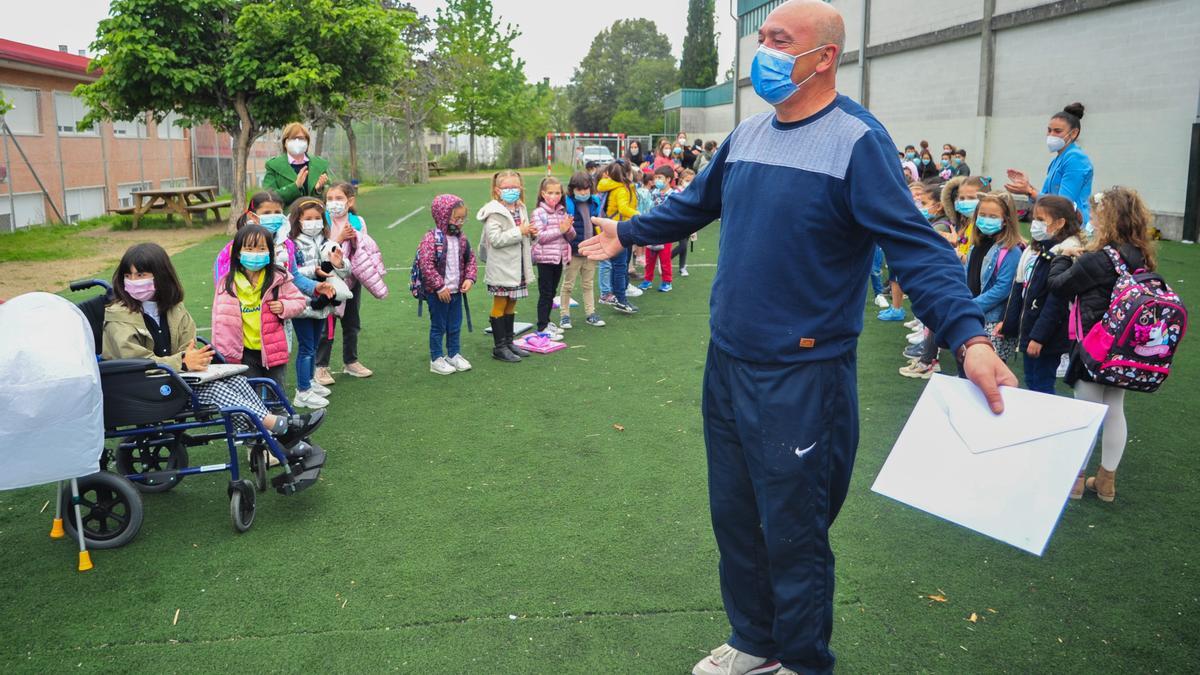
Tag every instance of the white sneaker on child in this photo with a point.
(725, 660)
(882, 302)
(633, 291)
(309, 399)
(1063, 365)
(442, 367)
(460, 364)
(320, 389)
(683, 272)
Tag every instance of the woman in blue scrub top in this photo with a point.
(1070, 172)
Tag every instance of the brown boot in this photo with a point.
(1077, 491)
(1104, 484)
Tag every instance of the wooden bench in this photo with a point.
(123, 211)
(434, 168)
(215, 207)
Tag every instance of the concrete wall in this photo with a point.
(1134, 65)
(710, 124)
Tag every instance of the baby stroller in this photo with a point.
(154, 417)
(52, 422)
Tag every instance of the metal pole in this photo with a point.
(12, 201)
(864, 71)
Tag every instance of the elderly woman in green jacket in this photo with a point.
(295, 174)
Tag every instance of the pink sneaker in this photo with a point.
(357, 369)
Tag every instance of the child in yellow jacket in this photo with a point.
(622, 202)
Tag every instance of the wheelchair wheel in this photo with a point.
(258, 464)
(241, 504)
(111, 509)
(150, 454)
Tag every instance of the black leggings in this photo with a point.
(351, 324)
(680, 251)
(549, 274)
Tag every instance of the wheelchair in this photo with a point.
(153, 417)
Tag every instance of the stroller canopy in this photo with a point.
(51, 407)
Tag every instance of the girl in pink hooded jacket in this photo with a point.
(551, 250)
(250, 305)
(349, 230)
(448, 270)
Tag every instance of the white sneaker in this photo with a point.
(683, 271)
(320, 389)
(883, 302)
(633, 291)
(460, 364)
(916, 338)
(1063, 365)
(914, 324)
(726, 660)
(309, 399)
(442, 367)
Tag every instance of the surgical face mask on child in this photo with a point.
(582, 196)
(312, 227)
(337, 208)
(254, 260)
(141, 290)
(1038, 230)
(660, 183)
(510, 195)
(771, 73)
(966, 206)
(297, 147)
(271, 221)
(989, 225)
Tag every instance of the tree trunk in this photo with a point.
(243, 138)
(471, 153)
(352, 141)
(422, 156)
(319, 140)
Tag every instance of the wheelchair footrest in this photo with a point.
(306, 469)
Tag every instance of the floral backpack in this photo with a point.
(1133, 345)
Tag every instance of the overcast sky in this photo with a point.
(555, 35)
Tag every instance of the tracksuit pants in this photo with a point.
(663, 257)
(781, 441)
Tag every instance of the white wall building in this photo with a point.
(986, 75)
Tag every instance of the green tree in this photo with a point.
(239, 64)
(487, 82)
(635, 123)
(605, 73)
(649, 81)
(698, 68)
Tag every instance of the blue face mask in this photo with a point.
(925, 212)
(254, 261)
(988, 225)
(910, 155)
(771, 74)
(660, 184)
(957, 161)
(945, 164)
(924, 160)
(966, 206)
(510, 195)
(271, 221)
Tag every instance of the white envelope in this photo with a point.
(1006, 476)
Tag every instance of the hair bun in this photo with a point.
(1075, 109)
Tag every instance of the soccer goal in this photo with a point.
(570, 147)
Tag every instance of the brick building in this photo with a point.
(85, 172)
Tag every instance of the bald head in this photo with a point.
(810, 22)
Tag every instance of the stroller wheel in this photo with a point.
(149, 455)
(111, 509)
(241, 504)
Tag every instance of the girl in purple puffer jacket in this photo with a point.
(551, 250)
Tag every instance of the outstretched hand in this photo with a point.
(985, 369)
(604, 245)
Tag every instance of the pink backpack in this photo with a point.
(1133, 345)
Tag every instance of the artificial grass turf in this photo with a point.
(450, 504)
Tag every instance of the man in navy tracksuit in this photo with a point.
(803, 195)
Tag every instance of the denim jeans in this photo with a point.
(605, 275)
(1041, 373)
(877, 272)
(445, 321)
(620, 275)
(308, 335)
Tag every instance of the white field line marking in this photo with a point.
(418, 210)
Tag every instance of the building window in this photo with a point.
(24, 117)
(169, 127)
(125, 192)
(435, 148)
(84, 203)
(30, 210)
(174, 182)
(68, 111)
(135, 128)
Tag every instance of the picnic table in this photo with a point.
(181, 201)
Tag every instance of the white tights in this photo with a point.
(1115, 431)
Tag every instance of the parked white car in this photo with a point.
(597, 153)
